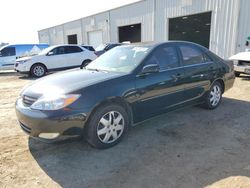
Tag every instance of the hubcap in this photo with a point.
(38, 70)
(215, 95)
(110, 127)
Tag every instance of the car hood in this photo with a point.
(28, 58)
(243, 56)
(24, 58)
(66, 82)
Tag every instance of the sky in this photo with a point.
(21, 19)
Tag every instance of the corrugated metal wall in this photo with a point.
(229, 24)
(244, 25)
(94, 23)
(142, 12)
(224, 20)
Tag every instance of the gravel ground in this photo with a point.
(189, 148)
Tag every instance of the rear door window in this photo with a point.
(191, 55)
(73, 49)
(8, 51)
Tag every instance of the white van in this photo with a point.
(9, 53)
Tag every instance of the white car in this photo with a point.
(241, 63)
(59, 57)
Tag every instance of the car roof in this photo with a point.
(155, 44)
(58, 45)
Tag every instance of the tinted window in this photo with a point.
(214, 57)
(72, 49)
(89, 48)
(111, 46)
(166, 57)
(206, 58)
(191, 55)
(9, 51)
(58, 50)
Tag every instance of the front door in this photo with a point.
(159, 91)
(57, 58)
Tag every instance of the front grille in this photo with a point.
(28, 101)
(25, 128)
(244, 63)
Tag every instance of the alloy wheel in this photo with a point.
(38, 71)
(215, 95)
(110, 127)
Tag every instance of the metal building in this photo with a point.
(221, 25)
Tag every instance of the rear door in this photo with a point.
(159, 91)
(74, 56)
(199, 70)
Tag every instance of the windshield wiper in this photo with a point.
(97, 70)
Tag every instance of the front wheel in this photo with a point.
(85, 63)
(107, 126)
(38, 70)
(214, 96)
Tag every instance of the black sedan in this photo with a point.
(105, 47)
(124, 86)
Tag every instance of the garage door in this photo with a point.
(131, 33)
(95, 38)
(193, 28)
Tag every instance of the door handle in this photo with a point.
(198, 76)
(176, 77)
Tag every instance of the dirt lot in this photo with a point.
(192, 148)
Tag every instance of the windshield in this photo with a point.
(121, 59)
(46, 50)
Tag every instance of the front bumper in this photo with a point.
(38, 123)
(21, 68)
(242, 69)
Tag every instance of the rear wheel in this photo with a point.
(85, 63)
(107, 126)
(214, 96)
(38, 70)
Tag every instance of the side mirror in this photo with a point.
(50, 53)
(152, 68)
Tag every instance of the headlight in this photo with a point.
(235, 62)
(54, 102)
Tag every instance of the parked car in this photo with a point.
(9, 53)
(105, 47)
(124, 86)
(241, 63)
(90, 48)
(59, 57)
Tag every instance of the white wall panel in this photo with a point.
(72, 28)
(244, 25)
(43, 36)
(141, 12)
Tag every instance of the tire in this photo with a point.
(214, 96)
(237, 74)
(38, 70)
(107, 126)
(85, 63)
